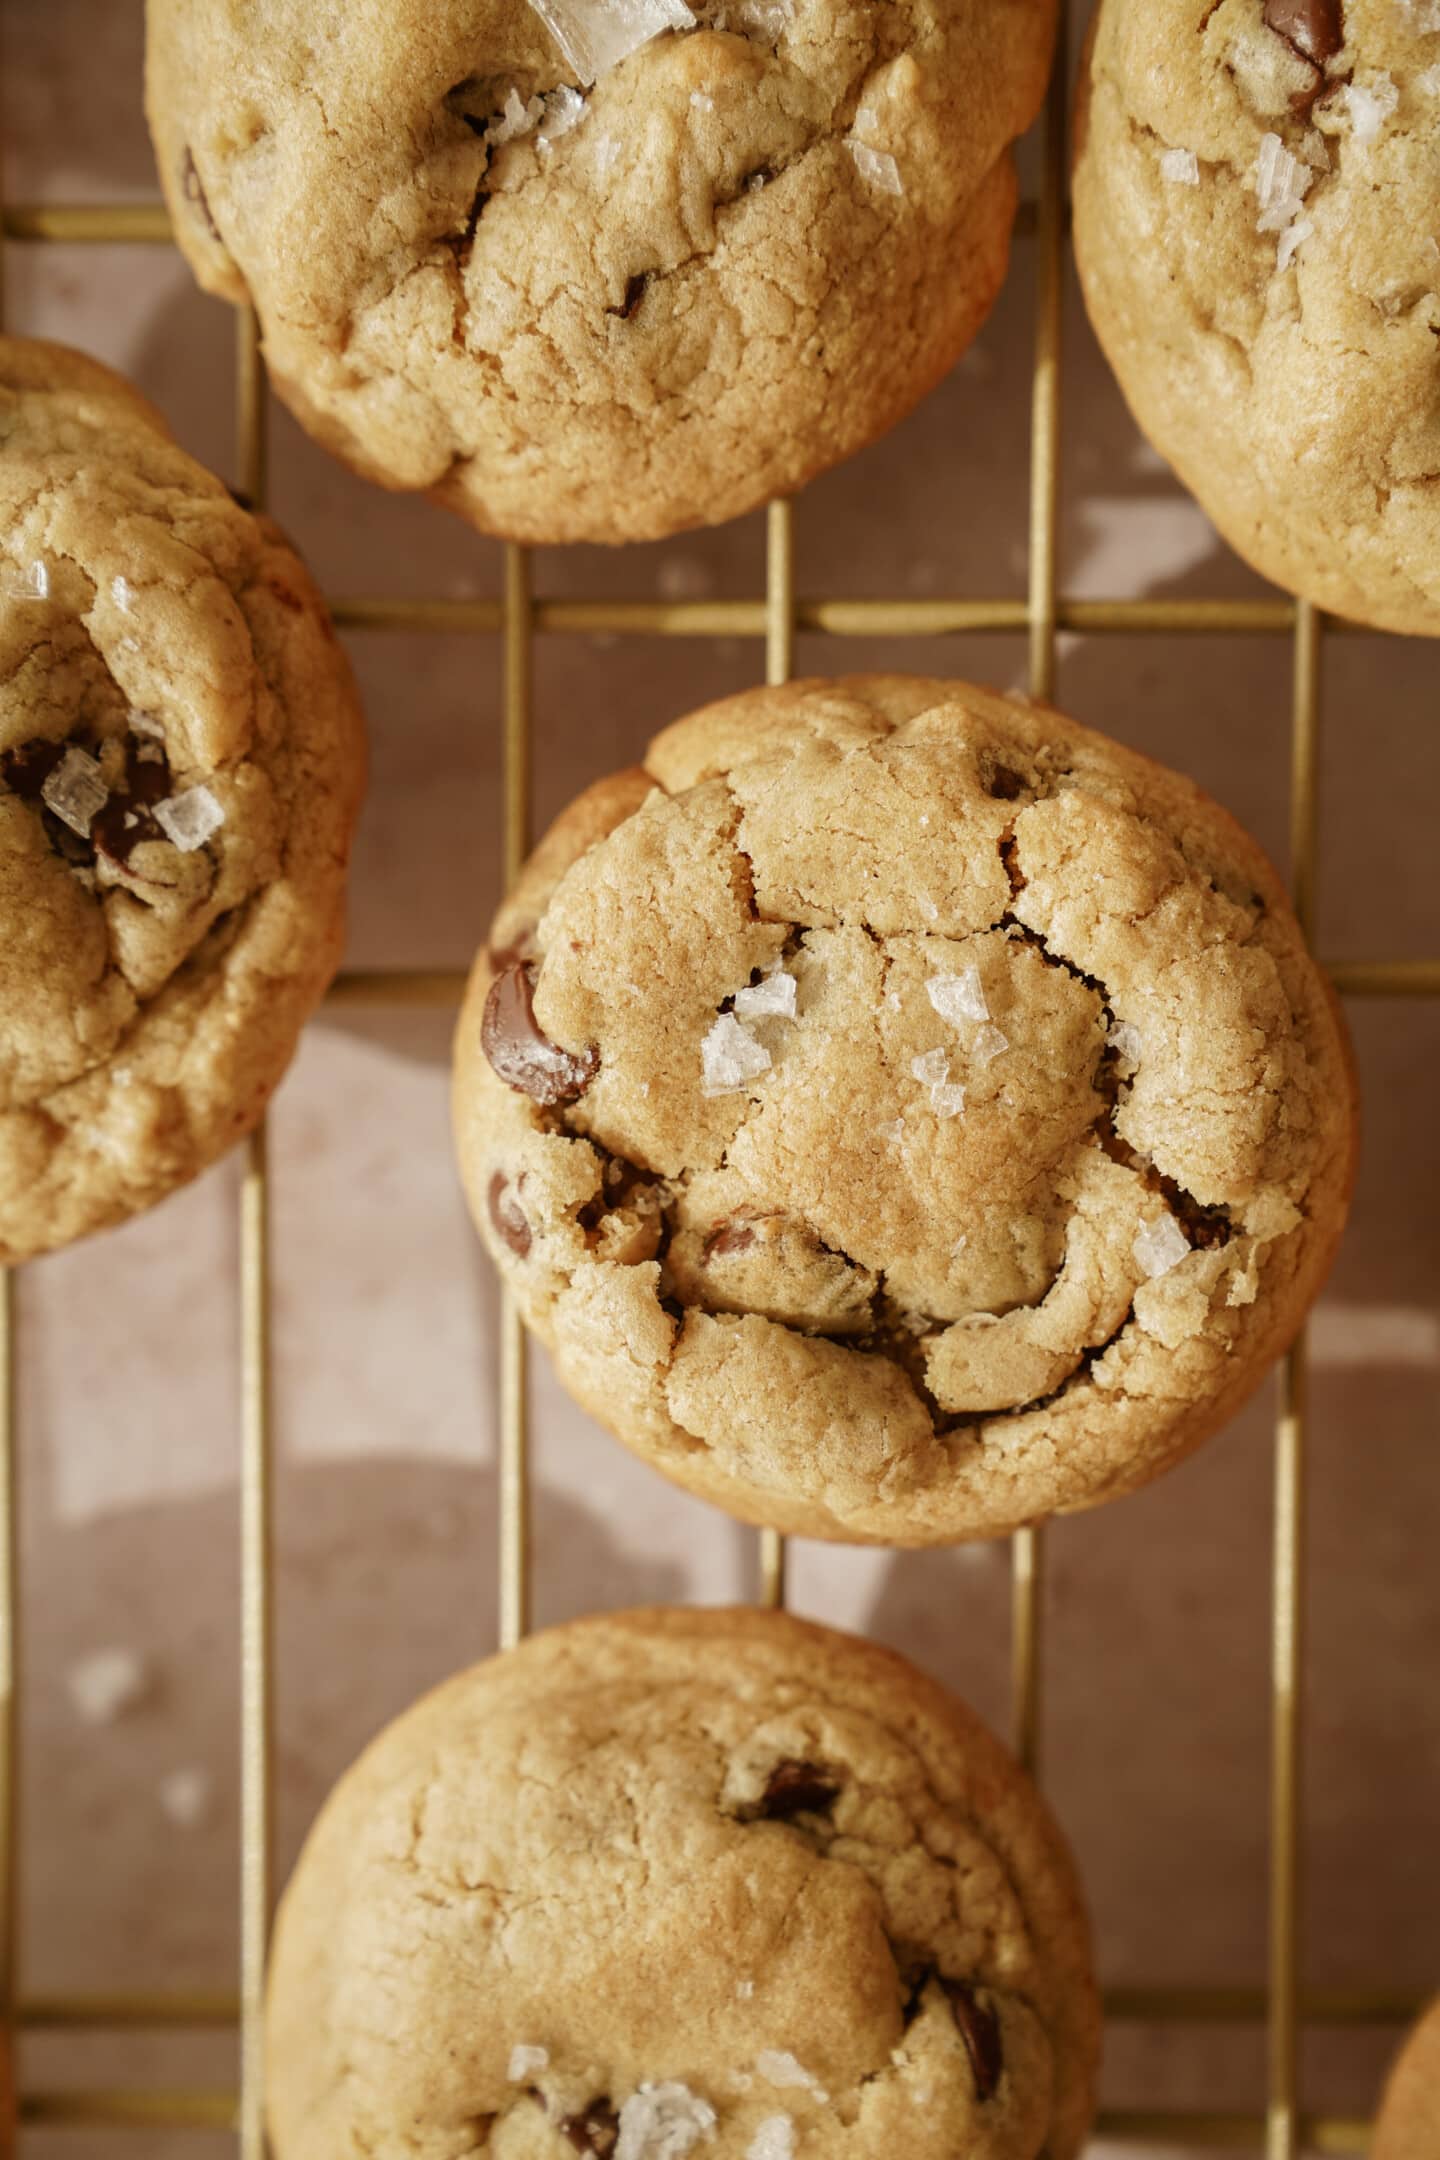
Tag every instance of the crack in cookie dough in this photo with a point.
(1275, 324)
(439, 224)
(492, 1931)
(180, 765)
(958, 1124)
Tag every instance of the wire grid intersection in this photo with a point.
(776, 618)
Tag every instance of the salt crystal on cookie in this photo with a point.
(189, 819)
(662, 2122)
(958, 997)
(1370, 106)
(1160, 1246)
(76, 792)
(988, 1045)
(774, 2139)
(876, 166)
(526, 2061)
(729, 1056)
(596, 35)
(779, 2067)
(1181, 166)
(774, 998)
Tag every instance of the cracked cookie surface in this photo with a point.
(180, 769)
(675, 1880)
(1408, 2124)
(903, 1112)
(599, 307)
(1257, 224)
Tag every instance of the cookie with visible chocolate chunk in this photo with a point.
(181, 761)
(1408, 2125)
(675, 1881)
(593, 271)
(903, 1113)
(1257, 224)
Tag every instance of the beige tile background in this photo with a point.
(1157, 1685)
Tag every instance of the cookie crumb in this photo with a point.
(106, 1684)
(774, 998)
(1370, 107)
(185, 1796)
(1181, 166)
(779, 2067)
(876, 166)
(526, 2061)
(76, 792)
(729, 1056)
(146, 723)
(1160, 1246)
(774, 2139)
(190, 818)
(596, 35)
(958, 997)
(663, 2122)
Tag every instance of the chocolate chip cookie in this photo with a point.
(675, 1881)
(1409, 2123)
(903, 1112)
(1257, 222)
(591, 270)
(180, 769)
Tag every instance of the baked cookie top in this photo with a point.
(1408, 2127)
(180, 769)
(903, 1111)
(1257, 222)
(598, 269)
(678, 1881)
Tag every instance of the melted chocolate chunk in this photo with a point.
(596, 2131)
(797, 1788)
(128, 817)
(1013, 871)
(634, 294)
(25, 771)
(979, 2028)
(730, 1237)
(523, 1056)
(1315, 29)
(193, 189)
(1004, 783)
(507, 1216)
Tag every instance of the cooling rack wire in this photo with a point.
(1282, 2131)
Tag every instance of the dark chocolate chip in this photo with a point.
(596, 2131)
(797, 1788)
(979, 2028)
(523, 1056)
(25, 771)
(634, 294)
(1004, 783)
(507, 1216)
(193, 189)
(1315, 29)
(730, 1237)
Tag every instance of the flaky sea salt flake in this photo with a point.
(729, 1056)
(779, 2067)
(122, 593)
(947, 1098)
(702, 101)
(663, 2122)
(107, 1683)
(30, 582)
(1280, 184)
(76, 792)
(1181, 166)
(190, 818)
(958, 997)
(774, 2139)
(596, 35)
(1427, 82)
(1370, 105)
(517, 117)
(772, 999)
(1293, 237)
(146, 723)
(1126, 1041)
(1160, 1246)
(988, 1045)
(876, 166)
(526, 2061)
(932, 1069)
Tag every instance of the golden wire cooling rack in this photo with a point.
(1284, 2130)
